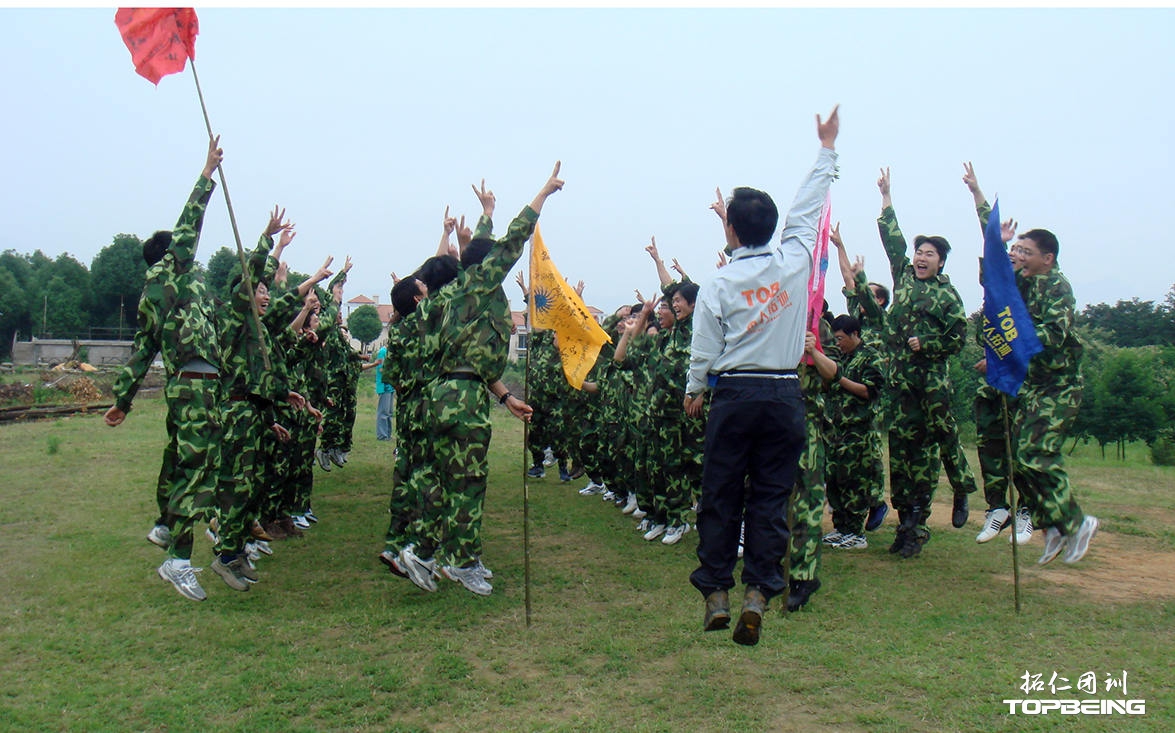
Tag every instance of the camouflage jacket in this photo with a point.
(846, 410)
(240, 347)
(176, 317)
(863, 307)
(1050, 302)
(930, 309)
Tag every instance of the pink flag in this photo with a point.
(161, 40)
(819, 269)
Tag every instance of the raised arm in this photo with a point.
(662, 273)
(321, 274)
(485, 222)
(448, 225)
(553, 184)
(803, 218)
(982, 208)
(186, 235)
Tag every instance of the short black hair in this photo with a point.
(753, 216)
(1045, 241)
(438, 271)
(156, 246)
(476, 251)
(846, 324)
(404, 295)
(940, 244)
(688, 292)
(884, 293)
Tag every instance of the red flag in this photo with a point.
(161, 40)
(819, 269)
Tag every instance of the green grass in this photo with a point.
(91, 639)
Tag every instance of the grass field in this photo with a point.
(91, 639)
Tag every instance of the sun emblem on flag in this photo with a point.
(542, 299)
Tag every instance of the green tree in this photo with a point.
(116, 281)
(223, 266)
(365, 324)
(1127, 400)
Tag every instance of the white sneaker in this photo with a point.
(263, 547)
(639, 513)
(160, 536)
(1024, 529)
(1079, 542)
(674, 534)
(853, 542)
(832, 539)
(655, 531)
(1054, 542)
(182, 575)
(592, 489)
(470, 577)
(994, 522)
(643, 526)
(631, 506)
(548, 457)
(419, 571)
(252, 553)
(742, 537)
(608, 495)
(485, 572)
(300, 521)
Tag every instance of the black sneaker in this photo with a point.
(960, 512)
(799, 591)
(536, 472)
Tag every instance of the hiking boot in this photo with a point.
(259, 532)
(799, 591)
(960, 512)
(994, 523)
(469, 577)
(160, 536)
(1079, 542)
(876, 516)
(1054, 542)
(853, 542)
(182, 575)
(230, 573)
(287, 525)
(717, 611)
(536, 471)
(419, 571)
(746, 631)
(832, 538)
(655, 531)
(274, 530)
(1024, 528)
(323, 460)
(674, 534)
(915, 539)
(392, 560)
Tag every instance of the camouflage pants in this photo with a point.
(1043, 419)
(805, 508)
(991, 443)
(339, 421)
(877, 470)
(191, 459)
(954, 462)
(412, 475)
(290, 466)
(675, 467)
(546, 426)
(458, 429)
(922, 421)
(637, 456)
(243, 455)
(853, 471)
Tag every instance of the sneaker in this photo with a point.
(578, 472)
(799, 591)
(548, 456)
(608, 495)
(252, 554)
(1079, 542)
(263, 547)
(996, 520)
(876, 516)
(343, 455)
(230, 573)
(832, 539)
(717, 611)
(300, 521)
(643, 525)
(419, 571)
(564, 475)
(639, 513)
(674, 534)
(311, 516)
(746, 632)
(592, 489)
(336, 457)
(323, 460)
(630, 506)
(1054, 542)
(742, 537)
(485, 572)
(536, 472)
(182, 575)
(853, 542)
(655, 531)
(960, 511)
(392, 560)
(258, 532)
(469, 577)
(160, 536)
(211, 531)
(1024, 528)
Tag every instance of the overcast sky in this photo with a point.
(366, 123)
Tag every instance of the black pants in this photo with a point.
(754, 437)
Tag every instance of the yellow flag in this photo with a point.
(555, 305)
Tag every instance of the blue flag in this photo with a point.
(1009, 336)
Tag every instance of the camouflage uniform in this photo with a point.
(871, 316)
(465, 327)
(1049, 401)
(279, 489)
(854, 455)
(412, 474)
(176, 320)
(252, 391)
(676, 446)
(342, 374)
(639, 356)
(545, 395)
(933, 311)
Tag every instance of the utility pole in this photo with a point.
(121, 314)
(45, 315)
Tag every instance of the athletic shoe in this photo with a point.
(336, 457)
(1024, 528)
(608, 495)
(469, 577)
(639, 513)
(799, 591)
(876, 516)
(263, 547)
(674, 534)
(392, 560)
(578, 472)
(564, 475)
(630, 506)
(548, 457)
(853, 542)
(960, 511)
(655, 531)
(644, 525)
(1054, 542)
(536, 472)
(258, 532)
(323, 459)
(252, 554)
(343, 455)
(832, 539)
(160, 536)
(592, 489)
(995, 522)
(746, 631)
(182, 575)
(210, 532)
(1079, 542)
(230, 573)
(717, 611)
(311, 516)
(742, 537)
(300, 521)
(419, 571)
(485, 572)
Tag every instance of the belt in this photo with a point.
(468, 376)
(198, 375)
(762, 374)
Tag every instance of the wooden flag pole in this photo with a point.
(232, 217)
(525, 466)
(1015, 501)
